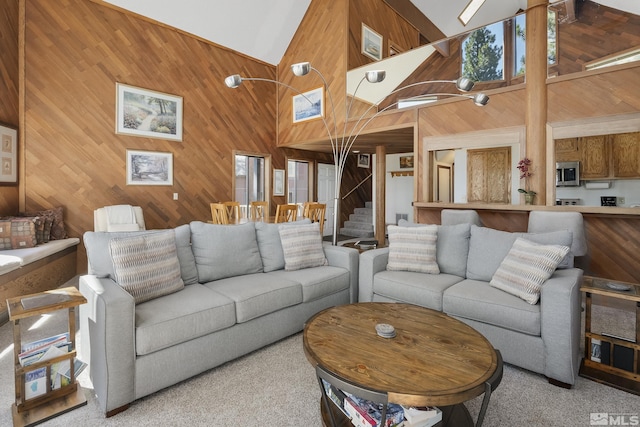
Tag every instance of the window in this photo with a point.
(249, 180)
(298, 175)
(483, 54)
(519, 43)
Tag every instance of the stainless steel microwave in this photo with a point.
(567, 174)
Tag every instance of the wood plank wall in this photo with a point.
(9, 90)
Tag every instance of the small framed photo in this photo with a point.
(364, 160)
(8, 154)
(406, 162)
(308, 105)
(143, 112)
(371, 43)
(149, 168)
(278, 182)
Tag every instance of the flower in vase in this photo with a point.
(525, 173)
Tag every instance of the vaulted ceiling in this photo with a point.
(263, 29)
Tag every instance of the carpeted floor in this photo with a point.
(276, 386)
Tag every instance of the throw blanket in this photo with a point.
(121, 218)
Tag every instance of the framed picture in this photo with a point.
(149, 168)
(371, 43)
(143, 112)
(364, 160)
(8, 154)
(278, 182)
(406, 162)
(308, 105)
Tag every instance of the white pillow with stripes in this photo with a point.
(302, 246)
(146, 265)
(526, 267)
(413, 249)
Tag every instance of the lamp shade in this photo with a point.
(464, 84)
(233, 81)
(301, 68)
(480, 99)
(375, 76)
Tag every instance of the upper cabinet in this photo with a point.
(603, 156)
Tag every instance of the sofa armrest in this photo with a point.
(347, 258)
(107, 343)
(371, 262)
(560, 309)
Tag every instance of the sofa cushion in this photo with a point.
(488, 247)
(477, 300)
(452, 248)
(55, 217)
(147, 265)
(413, 249)
(269, 244)
(302, 246)
(317, 282)
(190, 313)
(224, 250)
(526, 267)
(258, 294)
(99, 258)
(414, 288)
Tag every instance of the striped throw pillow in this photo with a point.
(302, 246)
(413, 249)
(526, 267)
(146, 265)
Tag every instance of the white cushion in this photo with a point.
(147, 265)
(413, 249)
(302, 246)
(526, 267)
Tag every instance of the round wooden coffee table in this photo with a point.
(434, 359)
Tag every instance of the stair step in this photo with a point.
(358, 225)
(363, 211)
(368, 205)
(361, 218)
(355, 233)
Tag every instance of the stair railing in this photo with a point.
(357, 186)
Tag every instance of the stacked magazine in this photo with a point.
(41, 351)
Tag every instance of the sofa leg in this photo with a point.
(559, 383)
(115, 411)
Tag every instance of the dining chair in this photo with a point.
(286, 213)
(219, 213)
(233, 211)
(259, 210)
(315, 212)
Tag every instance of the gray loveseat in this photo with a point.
(542, 337)
(237, 298)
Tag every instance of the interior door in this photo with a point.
(326, 193)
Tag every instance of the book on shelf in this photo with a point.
(423, 416)
(335, 395)
(365, 413)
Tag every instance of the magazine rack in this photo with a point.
(54, 402)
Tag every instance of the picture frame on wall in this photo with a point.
(406, 162)
(144, 112)
(371, 43)
(149, 168)
(278, 182)
(364, 160)
(8, 154)
(308, 105)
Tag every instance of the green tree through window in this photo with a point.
(481, 56)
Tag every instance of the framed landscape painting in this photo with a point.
(143, 112)
(8, 154)
(371, 43)
(149, 168)
(308, 105)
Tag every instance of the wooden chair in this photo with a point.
(259, 210)
(233, 211)
(286, 213)
(315, 212)
(219, 213)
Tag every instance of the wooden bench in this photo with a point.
(37, 269)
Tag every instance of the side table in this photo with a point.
(35, 410)
(609, 358)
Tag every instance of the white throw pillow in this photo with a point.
(302, 246)
(526, 267)
(147, 265)
(413, 249)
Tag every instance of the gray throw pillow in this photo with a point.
(188, 269)
(224, 250)
(452, 248)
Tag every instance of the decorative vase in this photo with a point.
(528, 198)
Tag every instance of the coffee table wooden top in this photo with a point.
(433, 360)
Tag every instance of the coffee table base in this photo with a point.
(456, 415)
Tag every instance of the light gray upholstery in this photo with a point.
(543, 337)
(134, 350)
(541, 221)
(459, 216)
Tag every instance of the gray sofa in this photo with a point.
(237, 298)
(542, 337)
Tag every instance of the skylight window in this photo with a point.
(470, 10)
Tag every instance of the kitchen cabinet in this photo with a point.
(489, 175)
(626, 155)
(594, 157)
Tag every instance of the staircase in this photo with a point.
(360, 223)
